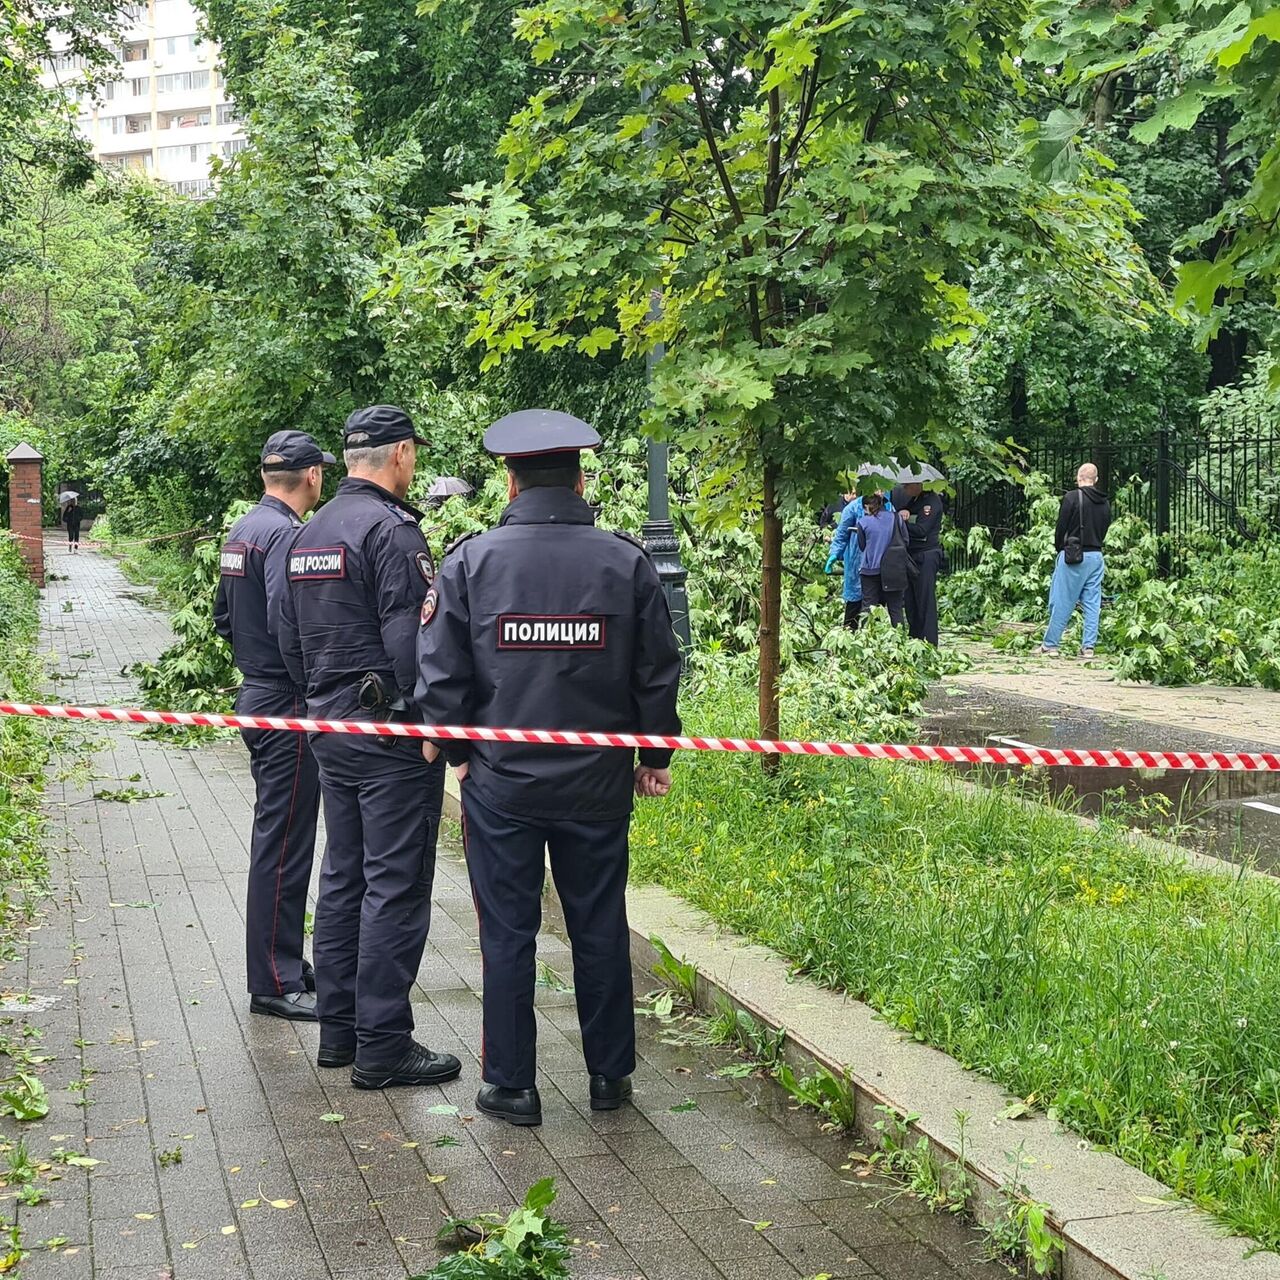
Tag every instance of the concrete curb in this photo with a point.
(1115, 1223)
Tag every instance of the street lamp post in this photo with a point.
(659, 533)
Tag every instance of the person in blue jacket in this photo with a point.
(844, 546)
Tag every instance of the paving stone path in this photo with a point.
(139, 951)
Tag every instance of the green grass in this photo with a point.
(24, 748)
(1138, 1000)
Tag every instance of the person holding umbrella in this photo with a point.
(72, 515)
(921, 511)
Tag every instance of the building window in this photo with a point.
(227, 113)
(196, 187)
(184, 119)
(193, 153)
(136, 51)
(182, 82)
(235, 146)
(138, 160)
(171, 46)
(141, 86)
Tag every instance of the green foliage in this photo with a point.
(1000, 930)
(196, 672)
(1010, 584)
(1210, 625)
(24, 749)
(36, 134)
(528, 1245)
(678, 974)
(1181, 61)
(824, 1091)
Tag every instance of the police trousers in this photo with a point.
(922, 596)
(282, 847)
(382, 804)
(506, 861)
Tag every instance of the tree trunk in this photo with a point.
(770, 614)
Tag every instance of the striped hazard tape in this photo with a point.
(913, 753)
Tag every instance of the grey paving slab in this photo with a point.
(141, 944)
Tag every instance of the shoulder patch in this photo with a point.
(631, 538)
(429, 606)
(425, 566)
(457, 542)
(233, 559)
(317, 564)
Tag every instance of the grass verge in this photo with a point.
(1136, 1000)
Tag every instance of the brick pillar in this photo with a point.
(26, 507)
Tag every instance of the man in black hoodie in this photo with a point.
(1083, 521)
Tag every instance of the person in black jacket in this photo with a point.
(547, 622)
(72, 515)
(1083, 521)
(357, 573)
(921, 512)
(286, 804)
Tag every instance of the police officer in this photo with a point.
(287, 800)
(357, 574)
(549, 622)
(921, 511)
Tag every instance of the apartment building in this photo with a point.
(168, 113)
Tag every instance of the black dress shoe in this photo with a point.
(418, 1065)
(309, 975)
(336, 1055)
(515, 1106)
(297, 1006)
(609, 1095)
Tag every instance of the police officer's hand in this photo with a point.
(652, 782)
(430, 752)
(460, 771)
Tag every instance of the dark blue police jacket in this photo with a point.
(246, 611)
(356, 573)
(548, 622)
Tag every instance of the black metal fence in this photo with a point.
(1181, 486)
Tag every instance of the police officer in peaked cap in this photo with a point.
(286, 783)
(357, 574)
(548, 622)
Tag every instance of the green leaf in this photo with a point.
(333, 1117)
(1265, 27)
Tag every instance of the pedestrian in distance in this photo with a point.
(547, 621)
(286, 805)
(921, 511)
(356, 575)
(844, 548)
(1083, 520)
(884, 569)
(72, 516)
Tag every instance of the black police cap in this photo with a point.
(293, 451)
(376, 425)
(536, 438)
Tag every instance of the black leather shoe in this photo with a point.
(418, 1065)
(609, 1095)
(309, 975)
(297, 1006)
(515, 1106)
(335, 1055)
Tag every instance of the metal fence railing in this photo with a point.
(1185, 485)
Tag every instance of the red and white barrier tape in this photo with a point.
(1215, 761)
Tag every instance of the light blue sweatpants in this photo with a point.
(1074, 584)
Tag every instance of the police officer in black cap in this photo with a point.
(549, 622)
(287, 801)
(357, 574)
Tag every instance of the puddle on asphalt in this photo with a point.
(1212, 813)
